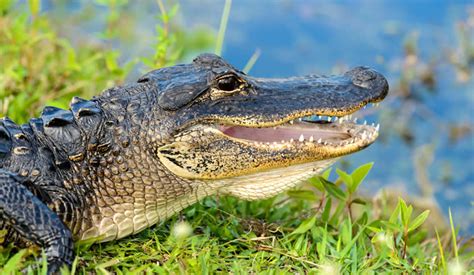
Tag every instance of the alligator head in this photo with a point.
(234, 129)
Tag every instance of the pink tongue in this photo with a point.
(278, 134)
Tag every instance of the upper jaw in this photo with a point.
(277, 102)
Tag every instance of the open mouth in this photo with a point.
(317, 130)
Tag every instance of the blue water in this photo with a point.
(301, 37)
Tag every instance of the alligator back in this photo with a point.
(44, 150)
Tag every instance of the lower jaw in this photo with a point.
(266, 184)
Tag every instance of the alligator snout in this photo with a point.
(367, 78)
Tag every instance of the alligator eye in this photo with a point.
(228, 83)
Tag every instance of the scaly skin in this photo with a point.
(137, 154)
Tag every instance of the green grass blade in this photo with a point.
(349, 246)
(455, 245)
(441, 253)
(13, 262)
(304, 226)
(223, 27)
(251, 61)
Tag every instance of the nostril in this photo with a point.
(373, 82)
(363, 77)
(143, 80)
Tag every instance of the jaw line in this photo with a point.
(363, 135)
(300, 133)
(268, 183)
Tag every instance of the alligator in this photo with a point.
(136, 154)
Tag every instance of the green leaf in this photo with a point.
(359, 175)
(345, 231)
(395, 213)
(305, 226)
(302, 194)
(391, 226)
(13, 262)
(405, 212)
(346, 178)
(359, 201)
(374, 229)
(327, 210)
(419, 220)
(363, 219)
(333, 189)
(337, 214)
(416, 237)
(326, 173)
(316, 182)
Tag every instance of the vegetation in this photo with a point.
(39, 68)
(324, 227)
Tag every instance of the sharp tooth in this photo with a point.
(291, 140)
(299, 119)
(274, 128)
(301, 138)
(365, 122)
(320, 140)
(350, 116)
(282, 141)
(291, 122)
(311, 139)
(325, 143)
(373, 124)
(274, 143)
(268, 143)
(320, 117)
(329, 118)
(355, 120)
(365, 106)
(336, 119)
(341, 120)
(377, 128)
(364, 135)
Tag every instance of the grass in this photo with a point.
(323, 227)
